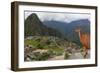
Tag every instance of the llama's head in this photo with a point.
(78, 29)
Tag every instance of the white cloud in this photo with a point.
(65, 17)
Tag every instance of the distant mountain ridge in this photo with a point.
(62, 26)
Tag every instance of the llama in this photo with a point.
(85, 40)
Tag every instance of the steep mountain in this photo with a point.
(33, 27)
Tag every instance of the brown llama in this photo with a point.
(85, 40)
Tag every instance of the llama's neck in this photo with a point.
(79, 33)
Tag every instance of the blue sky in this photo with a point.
(65, 17)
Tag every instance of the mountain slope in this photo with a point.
(60, 26)
(34, 27)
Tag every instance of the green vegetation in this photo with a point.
(44, 43)
(46, 47)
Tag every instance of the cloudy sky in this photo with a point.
(65, 16)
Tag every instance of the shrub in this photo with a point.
(40, 46)
(66, 55)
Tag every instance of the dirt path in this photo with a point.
(76, 55)
(61, 57)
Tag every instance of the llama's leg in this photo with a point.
(85, 52)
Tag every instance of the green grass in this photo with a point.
(44, 45)
(31, 42)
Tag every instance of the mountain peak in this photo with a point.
(32, 16)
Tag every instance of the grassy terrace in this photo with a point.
(43, 43)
